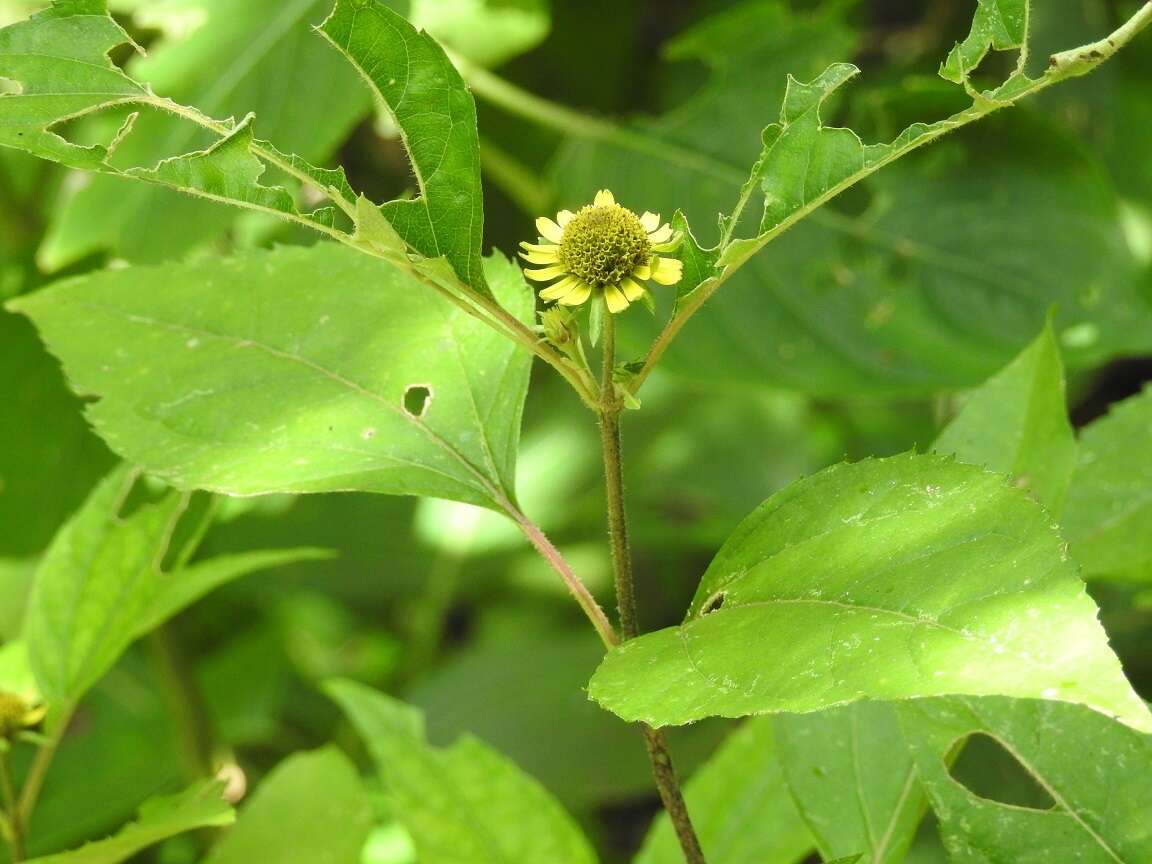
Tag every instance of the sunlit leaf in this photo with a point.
(834, 590)
(240, 58)
(297, 370)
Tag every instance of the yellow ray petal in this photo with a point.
(539, 247)
(604, 198)
(564, 217)
(642, 272)
(667, 271)
(549, 230)
(650, 221)
(631, 289)
(615, 299)
(540, 257)
(561, 289)
(578, 295)
(661, 235)
(544, 274)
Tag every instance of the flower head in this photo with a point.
(16, 715)
(602, 249)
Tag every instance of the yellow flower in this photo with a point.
(602, 249)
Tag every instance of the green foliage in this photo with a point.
(829, 592)
(273, 395)
(411, 74)
(103, 583)
(197, 807)
(1017, 424)
(854, 782)
(463, 804)
(1109, 514)
(740, 805)
(312, 807)
(1101, 802)
(915, 625)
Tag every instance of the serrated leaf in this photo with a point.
(1016, 423)
(465, 804)
(852, 779)
(59, 62)
(935, 285)
(101, 585)
(998, 24)
(311, 808)
(1108, 517)
(832, 591)
(257, 57)
(1102, 802)
(437, 119)
(740, 807)
(200, 806)
(291, 371)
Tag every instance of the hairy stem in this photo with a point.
(663, 770)
(584, 598)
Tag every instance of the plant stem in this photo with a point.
(579, 590)
(34, 782)
(15, 833)
(663, 770)
(184, 702)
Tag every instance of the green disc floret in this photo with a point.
(603, 244)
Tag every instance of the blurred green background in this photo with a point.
(851, 336)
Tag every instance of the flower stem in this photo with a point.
(14, 833)
(663, 770)
(34, 782)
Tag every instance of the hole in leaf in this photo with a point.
(714, 603)
(986, 769)
(417, 398)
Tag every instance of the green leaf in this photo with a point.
(740, 806)
(852, 779)
(1108, 517)
(312, 807)
(296, 370)
(101, 585)
(540, 677)
(1097, 772)
(43, 477)
(487, 32)
(437, 118)
(921, 282)
(160, 818)
(258, 56)
(94, 582)
(462, 804)
(180, 590)
(998, 24)
(1017, 424)
(831, 592)
(59, 62)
